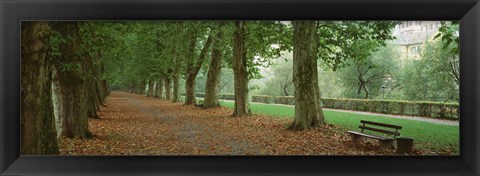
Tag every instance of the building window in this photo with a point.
(415, 50)
(431, 26)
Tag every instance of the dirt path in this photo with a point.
(132, 124)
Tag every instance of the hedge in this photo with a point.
(439, 110)
(412, 108)
(262, 98)
(201, 95)
(288, 100)
(226, 96)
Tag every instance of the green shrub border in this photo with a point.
(438, 110)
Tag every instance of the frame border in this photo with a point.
(12, 12)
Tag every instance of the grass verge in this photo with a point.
(426, 135)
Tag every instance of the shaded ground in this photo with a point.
(138, 125)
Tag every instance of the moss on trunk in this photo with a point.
(308, 111)
(214, 70)
(38, 134)
(240, 71)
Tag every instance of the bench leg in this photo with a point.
(386, 144)
(356, 137)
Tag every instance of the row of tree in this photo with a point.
(62, 82)
(384, 74)
(179, 50)
(65, 65)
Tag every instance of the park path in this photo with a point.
(133, 124)
(416, 118)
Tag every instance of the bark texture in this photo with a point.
(150, 88)
(159, 89)
(143, 87)
(38, 135)
(176, 87)
(71, 86)
(308, 110)
(192, 71)
(213, 77)
(168, 87)
(240, 72)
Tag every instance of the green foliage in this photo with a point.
(366, 77)
(264, 42)
(434, 77)
(449, 34)
(341, 41)
(411, 108)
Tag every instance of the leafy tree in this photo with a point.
(434, 77)
(194, 61)
(213, 77)
(364, 78)
(37, 118)
(70, 82)
(449, 34)
(308, 110)
(334, 42)
(255, 43)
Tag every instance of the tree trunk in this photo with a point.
(190, 97)
(150, 88)
(71, 85)
(168, 87)
(159, 89)
(38, 135)
(92, 94)
(366, 91)
(101, 95)
(285, 90)
(107, 88)
(92, 99)
(192, 73)
(308, 110)
(70, 109)
(214, 70)
(135, 88)
(143, 87)
(176, 87)
(240, 71)
(190, 57)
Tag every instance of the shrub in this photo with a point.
(413, 108)
(284, 100)
(439, 110)
(262, 98)
(226, 96)
(201, 95)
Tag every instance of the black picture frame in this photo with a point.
(14, 11)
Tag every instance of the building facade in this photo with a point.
(411, 35)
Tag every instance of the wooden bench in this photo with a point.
(385, 142)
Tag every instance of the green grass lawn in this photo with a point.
(426, 135)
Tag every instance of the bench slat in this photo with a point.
(370, 136)
(379, 130)
(381, 124)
